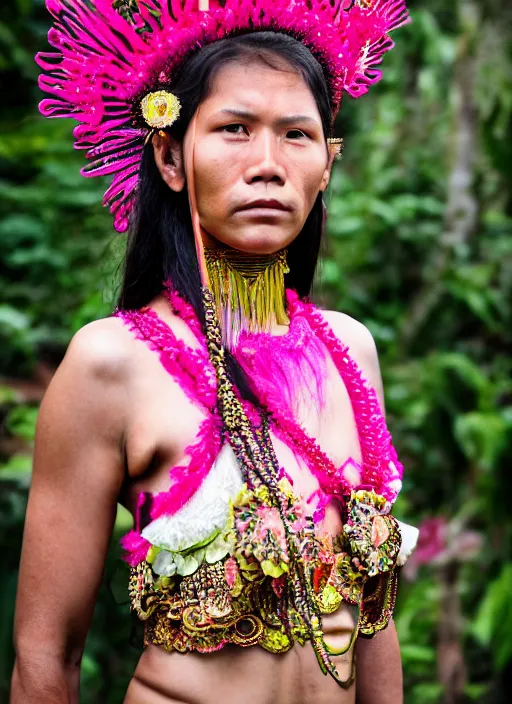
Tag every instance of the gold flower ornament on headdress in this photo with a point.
(160, 109)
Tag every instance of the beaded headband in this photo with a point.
(114, 59)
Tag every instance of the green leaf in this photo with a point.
(417, 653)
(16, 465)
(492, 626)
(185, 565)
(124, 520)
(17, 227)
(271, 569)
(482, 437)
(218, 549)
(152, 554)
(21, 421)
(12, 318)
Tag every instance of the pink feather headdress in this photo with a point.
(112, 53)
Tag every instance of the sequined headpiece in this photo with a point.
(115, 58)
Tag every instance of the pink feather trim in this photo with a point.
(186, 479)
(136, 548)
(380, 468)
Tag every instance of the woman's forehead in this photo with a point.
(254, 87)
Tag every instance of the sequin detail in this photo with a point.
(244, 598)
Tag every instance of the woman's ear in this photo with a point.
(335, 150)
(326, 177)
(169, 160)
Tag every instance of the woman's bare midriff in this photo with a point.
(163, 423)
(250, 675)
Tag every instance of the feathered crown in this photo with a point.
(112, 55)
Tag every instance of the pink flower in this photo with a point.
(231, 571)
(300, 512)
(441, 542)
(466, 545)
(269, 521)
(242, 525)
(299, 524)
(432, 540)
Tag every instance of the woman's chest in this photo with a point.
(164, 424)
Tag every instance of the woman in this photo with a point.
(266, 557)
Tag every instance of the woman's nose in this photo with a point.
(265, 161)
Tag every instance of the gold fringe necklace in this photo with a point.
(248, 290)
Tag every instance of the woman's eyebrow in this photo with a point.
(282, 121)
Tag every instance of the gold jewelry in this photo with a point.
(335, 146)
(160, 109)
(248, 290)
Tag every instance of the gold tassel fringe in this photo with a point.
(248, 290)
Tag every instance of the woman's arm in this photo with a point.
(78, 472)
(379, 668)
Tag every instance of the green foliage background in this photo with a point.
(420, 250)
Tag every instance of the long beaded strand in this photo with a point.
(255, 452)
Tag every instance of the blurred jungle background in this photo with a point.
(419, 249)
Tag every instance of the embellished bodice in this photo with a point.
(209, 556)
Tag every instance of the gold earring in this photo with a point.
(336, 145)
(152, 132)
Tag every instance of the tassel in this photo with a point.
(248, 290)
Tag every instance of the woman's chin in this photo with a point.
(257, 240)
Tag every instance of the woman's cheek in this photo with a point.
(214, 179)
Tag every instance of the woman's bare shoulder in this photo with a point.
(361, 344)
(91, 384)
(103, 347)
(351, 332)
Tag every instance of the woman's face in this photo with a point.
(260, 157)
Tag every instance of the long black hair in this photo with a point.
(160, 241)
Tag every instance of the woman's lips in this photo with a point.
(264, 209)
(264, 205)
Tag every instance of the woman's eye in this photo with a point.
(235, 129)
(240, 129)
(296, 134)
